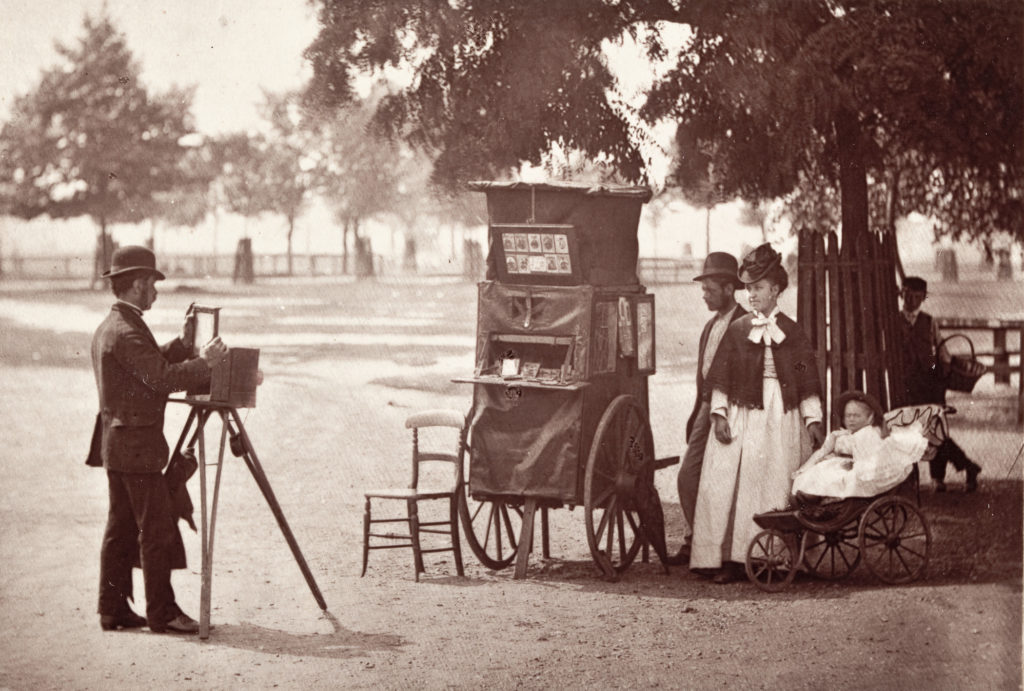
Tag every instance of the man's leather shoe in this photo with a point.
(729, 573)
(125, 620)
(180, 624)
(972, 476)
(681, 557)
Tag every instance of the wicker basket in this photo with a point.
(963, 372)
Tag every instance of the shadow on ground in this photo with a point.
(339, 644)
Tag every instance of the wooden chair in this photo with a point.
(413, 494)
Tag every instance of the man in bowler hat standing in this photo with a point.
(718, 282)
(134, 376)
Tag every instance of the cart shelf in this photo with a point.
(524, 383)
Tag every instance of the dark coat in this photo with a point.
(738, 368)
(703, 393)
(134, 375)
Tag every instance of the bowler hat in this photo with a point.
(758, 262)
(132, 258)
(865, 398)
(719, 264)
(915, 283)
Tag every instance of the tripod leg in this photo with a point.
(249, 455)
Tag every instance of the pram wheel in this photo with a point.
(832, 555)
(772, 560)
(895, 539)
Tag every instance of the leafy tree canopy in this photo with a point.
(777, 96)
(90, 139)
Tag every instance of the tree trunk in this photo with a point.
(291, 229)
(104, 252)
(344, 247)
(707, 231)
(364, 252)
(853, 180)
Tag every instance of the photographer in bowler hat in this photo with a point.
(134, 375)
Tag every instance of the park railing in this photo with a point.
(665, 270)
(995, 349)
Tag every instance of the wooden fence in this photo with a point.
(848, 305)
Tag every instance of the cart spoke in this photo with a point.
(604, 496)
(610, 537)
(509, 530)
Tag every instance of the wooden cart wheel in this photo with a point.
(492, 526)
(772, 560)
(895, 539)
(622, 451)
(832, 555)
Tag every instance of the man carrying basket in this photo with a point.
(924, 362)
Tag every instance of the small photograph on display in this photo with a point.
(552, 262)
(538, 264)
(534, 242)
(522, 245)
(512, 264)
(524, 264)
(508, 242)
(548, 243)
(561, 243)
(564, 265)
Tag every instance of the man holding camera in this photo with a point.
(134, 375)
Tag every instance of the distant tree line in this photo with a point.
(91, 140)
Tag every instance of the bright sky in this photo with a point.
(229, 49)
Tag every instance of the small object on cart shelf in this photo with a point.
(509, 367)
(531, 370)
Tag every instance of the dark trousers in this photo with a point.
(140, 523)
(688, 480)
(948, 452)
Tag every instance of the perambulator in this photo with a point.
(888, 532)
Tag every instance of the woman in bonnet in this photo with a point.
(766, 414)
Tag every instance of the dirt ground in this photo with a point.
(345, 364)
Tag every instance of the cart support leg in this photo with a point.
(545, 540)
(525, 539)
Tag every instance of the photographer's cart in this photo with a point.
(565, 343)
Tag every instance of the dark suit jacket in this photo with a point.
(703, 395)
(134, 376)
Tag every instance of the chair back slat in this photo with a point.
(427, 419)
(446, 457)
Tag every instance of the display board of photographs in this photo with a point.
(545, 254)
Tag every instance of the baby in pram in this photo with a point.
(862, 459)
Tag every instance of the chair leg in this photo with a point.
(453, 514)
(366, 535)
(414, 532)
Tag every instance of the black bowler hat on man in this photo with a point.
(719, 265)
(915, 283)
(132, 258)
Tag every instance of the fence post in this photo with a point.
(1000, 359)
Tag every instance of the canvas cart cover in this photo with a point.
(526, 441)
(539, 310)
(605, 217)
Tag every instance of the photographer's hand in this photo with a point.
(213, 352)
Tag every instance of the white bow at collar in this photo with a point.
(765, 329)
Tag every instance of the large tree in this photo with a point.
(288, 164)
(779, 91)
(91, 140)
